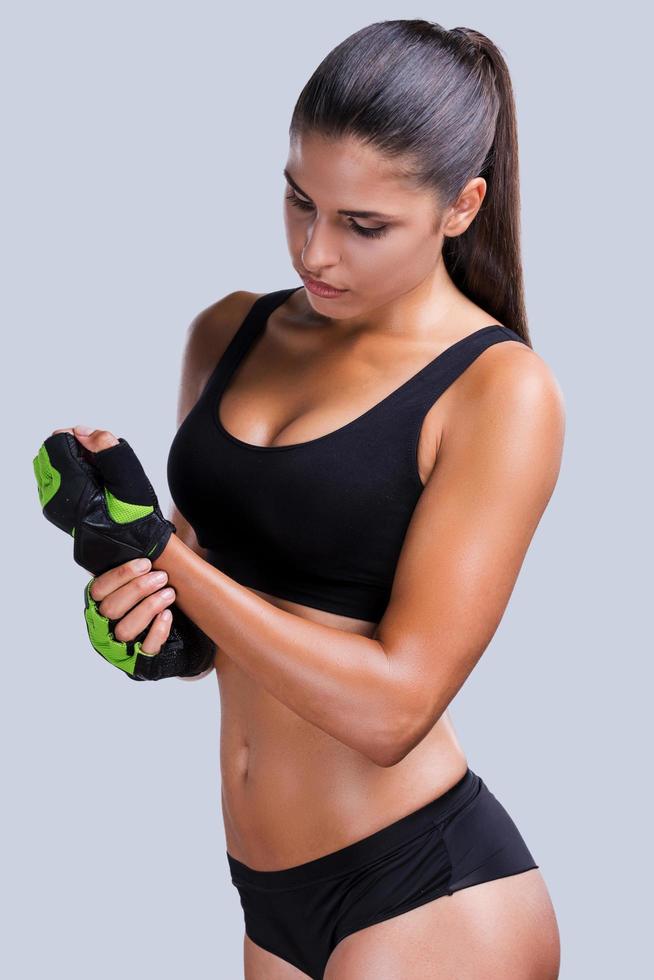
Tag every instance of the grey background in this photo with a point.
(143, 149)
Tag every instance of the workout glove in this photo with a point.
(107, 503)
(103, 499)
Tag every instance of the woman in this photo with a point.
(353, 506)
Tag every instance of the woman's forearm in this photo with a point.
(341, 682)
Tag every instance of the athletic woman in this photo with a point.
(360, 465)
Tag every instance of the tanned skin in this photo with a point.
(332, 727)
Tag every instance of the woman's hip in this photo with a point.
(461, 838)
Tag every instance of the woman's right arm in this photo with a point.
(206, 339)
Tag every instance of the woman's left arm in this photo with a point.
(464, 547)
(466, 542)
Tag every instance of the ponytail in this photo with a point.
(485, 261)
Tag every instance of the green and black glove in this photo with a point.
(107, 503)
(103, 499)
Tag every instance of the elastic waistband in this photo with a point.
(362, 851)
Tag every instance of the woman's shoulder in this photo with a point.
(510, 363)
(207, 337)
(210, 332)
(507, 380)
(506, 377)
(213, 327)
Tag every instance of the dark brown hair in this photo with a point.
(439, 103)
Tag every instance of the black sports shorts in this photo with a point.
(462, 838)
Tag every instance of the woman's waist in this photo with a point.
(286, 802)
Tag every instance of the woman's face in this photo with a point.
(375, 258)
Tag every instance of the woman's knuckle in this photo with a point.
(154, 580)
(104, 608)
(121, 633)
(104, 438)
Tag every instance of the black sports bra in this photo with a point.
(320, 522)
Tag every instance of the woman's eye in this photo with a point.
(297, 202)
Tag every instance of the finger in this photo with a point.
(94, 440)
(119, 602)
(137, 619)
(114, 578)
(158, 633)
(63, 430)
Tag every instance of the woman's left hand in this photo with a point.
(92, 485)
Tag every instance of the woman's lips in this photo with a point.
(319, 288)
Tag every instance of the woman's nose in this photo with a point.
(320, 250)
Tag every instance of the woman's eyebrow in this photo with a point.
(353, 214)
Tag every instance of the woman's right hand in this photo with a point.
(126, 613)
(137, 597)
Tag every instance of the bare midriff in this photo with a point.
(291, 792)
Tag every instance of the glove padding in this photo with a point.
(107, 503)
